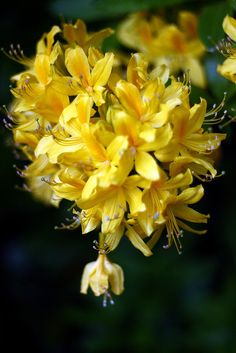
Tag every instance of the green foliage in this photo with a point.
(210, 23)
(94, 10)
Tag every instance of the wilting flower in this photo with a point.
(124, 148)
(176, 46)
(102, 275)
(226, 47)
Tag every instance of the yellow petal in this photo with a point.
(42, 68)
(155, 237)
(89, 220)
(168, 153)
(146, 166)
(188, 23)
(137, 241)
(196, 72)
(129, 97)
(189, 214)
(229, 26)
(68, 192)
(76, 114)
(97, 37)
(75, 33)
(148, 133)
(37, 167)
(93, 56)
(191, 195)
(102, 70)
(124, 124)
(179, 181)
(89, 188)
(77, 64)
(52, 104)
(161, 72)
(190, 229)
(112, 239)
(137, 69)
(116, 148)
(197, 115)
(113, 212)
(228, 69)
(163, 136)
(146, 219)
(96, 149)
(134, 199)
(88, 270)
(44, 47)
(116, 279)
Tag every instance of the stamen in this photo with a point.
(225, 47)
(19, 171)
(156, 215)
(17, 54)
(24, 187)
(173, 231)
(107, 296)
(101, 248)
(213, 113)
(75, 223)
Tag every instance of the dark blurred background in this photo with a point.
(171, 303)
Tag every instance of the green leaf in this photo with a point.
(232, 3)
(217, 83)
(93, 10)
(210, 23)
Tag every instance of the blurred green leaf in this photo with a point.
(210, 23)
(217, 83)
(92, 10)
(232, 3)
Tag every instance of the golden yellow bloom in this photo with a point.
(176, 46)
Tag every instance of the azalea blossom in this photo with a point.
(175, 45)
(127, 149)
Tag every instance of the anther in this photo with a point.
(156, 215)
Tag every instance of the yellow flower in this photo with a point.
(177, 210)
(86, 79)
(155, 197)
(78, 34)
(228, 68)
(189, 137)
(178, 47)
(102, 275)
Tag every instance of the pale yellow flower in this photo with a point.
(176, 46)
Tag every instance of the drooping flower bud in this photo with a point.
(101, 275)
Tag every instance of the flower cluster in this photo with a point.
(176, 45)
(128, 150)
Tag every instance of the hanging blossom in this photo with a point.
(176, 45)
(127, 149)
